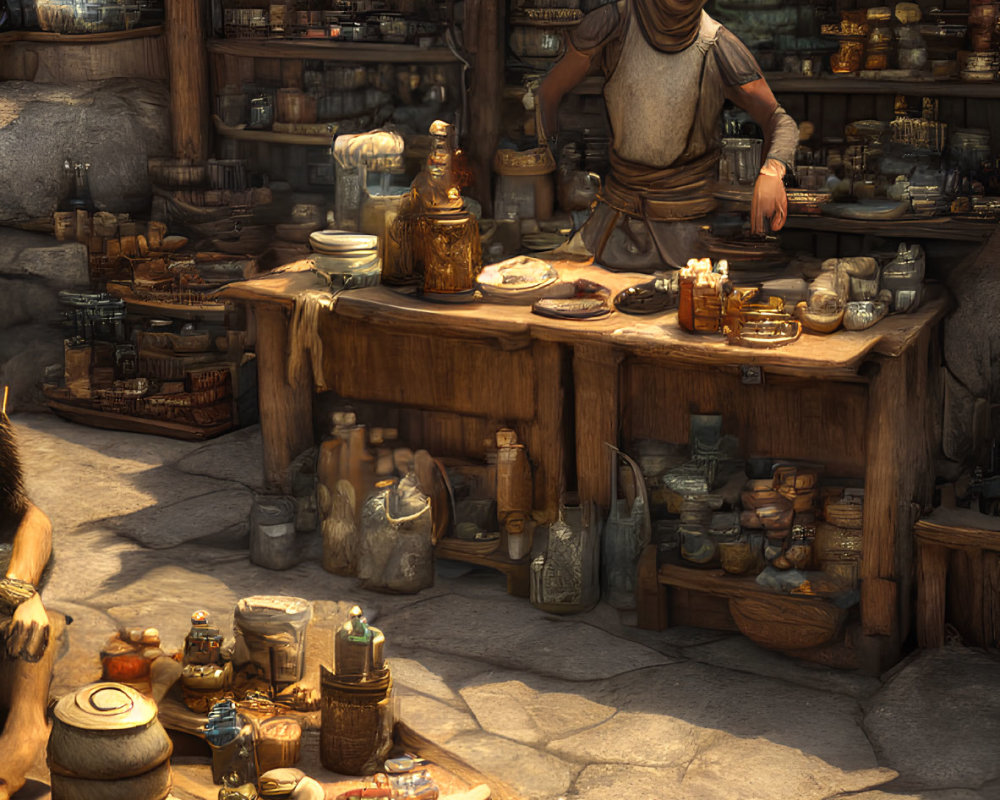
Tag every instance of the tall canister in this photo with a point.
(107, 744)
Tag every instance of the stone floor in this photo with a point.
(148, 529)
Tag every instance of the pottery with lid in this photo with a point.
(106, 737)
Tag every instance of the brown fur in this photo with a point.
(13, 501)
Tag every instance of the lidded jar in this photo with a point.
(107, 742)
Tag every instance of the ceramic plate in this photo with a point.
(867, 209)
(542, 241)
(335, 242)
(515, 275)
(572, 308)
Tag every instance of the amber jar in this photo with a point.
(848, 58)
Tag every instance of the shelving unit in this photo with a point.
(354, 86)
(8, 37)
(839, 84)
(941, 228)
(333, 50)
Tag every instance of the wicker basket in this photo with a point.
(357, 722)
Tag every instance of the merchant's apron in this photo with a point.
(664, 110)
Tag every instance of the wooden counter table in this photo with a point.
(854, 401)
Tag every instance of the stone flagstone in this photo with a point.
(512, 709)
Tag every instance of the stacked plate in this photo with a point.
(341, 243)
(348, 260)
(928, 200)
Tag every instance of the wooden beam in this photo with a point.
(188, 62)
(484, 33)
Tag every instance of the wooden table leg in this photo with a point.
(285, 405)
(932, 576)
(546, 436)
(651, 595)
(596, 383)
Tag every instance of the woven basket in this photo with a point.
(357, 722)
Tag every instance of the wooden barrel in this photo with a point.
(357, 722)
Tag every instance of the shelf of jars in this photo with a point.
(333, 50)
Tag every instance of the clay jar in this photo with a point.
(106, 744)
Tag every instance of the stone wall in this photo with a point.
(33, 269)
(114, 125)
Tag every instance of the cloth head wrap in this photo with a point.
(669, 25)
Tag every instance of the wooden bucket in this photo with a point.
(357, 722)
(279, 743)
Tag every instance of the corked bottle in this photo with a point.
(514, 494)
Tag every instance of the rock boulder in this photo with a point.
(114, 125)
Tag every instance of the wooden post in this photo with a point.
(897, 473)
(285, 404)
(484, 31)
(188, 65)
(651, 595)
(932, 576)
(546, 435)
(991, 599)
(597, 385)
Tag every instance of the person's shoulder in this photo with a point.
(737, 64)
(598, 26)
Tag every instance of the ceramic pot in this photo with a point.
(106, 731)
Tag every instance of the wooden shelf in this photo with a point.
(85, 414)
(332, 50)
(847, 84)
(947, 228)
(517, 572)
(80, 38)
(273, 137)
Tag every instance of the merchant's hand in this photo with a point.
(769, 199)
(27, 635)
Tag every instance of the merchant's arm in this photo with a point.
(781, 137)
(562, 79)
(584, 43)
(28, 633)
